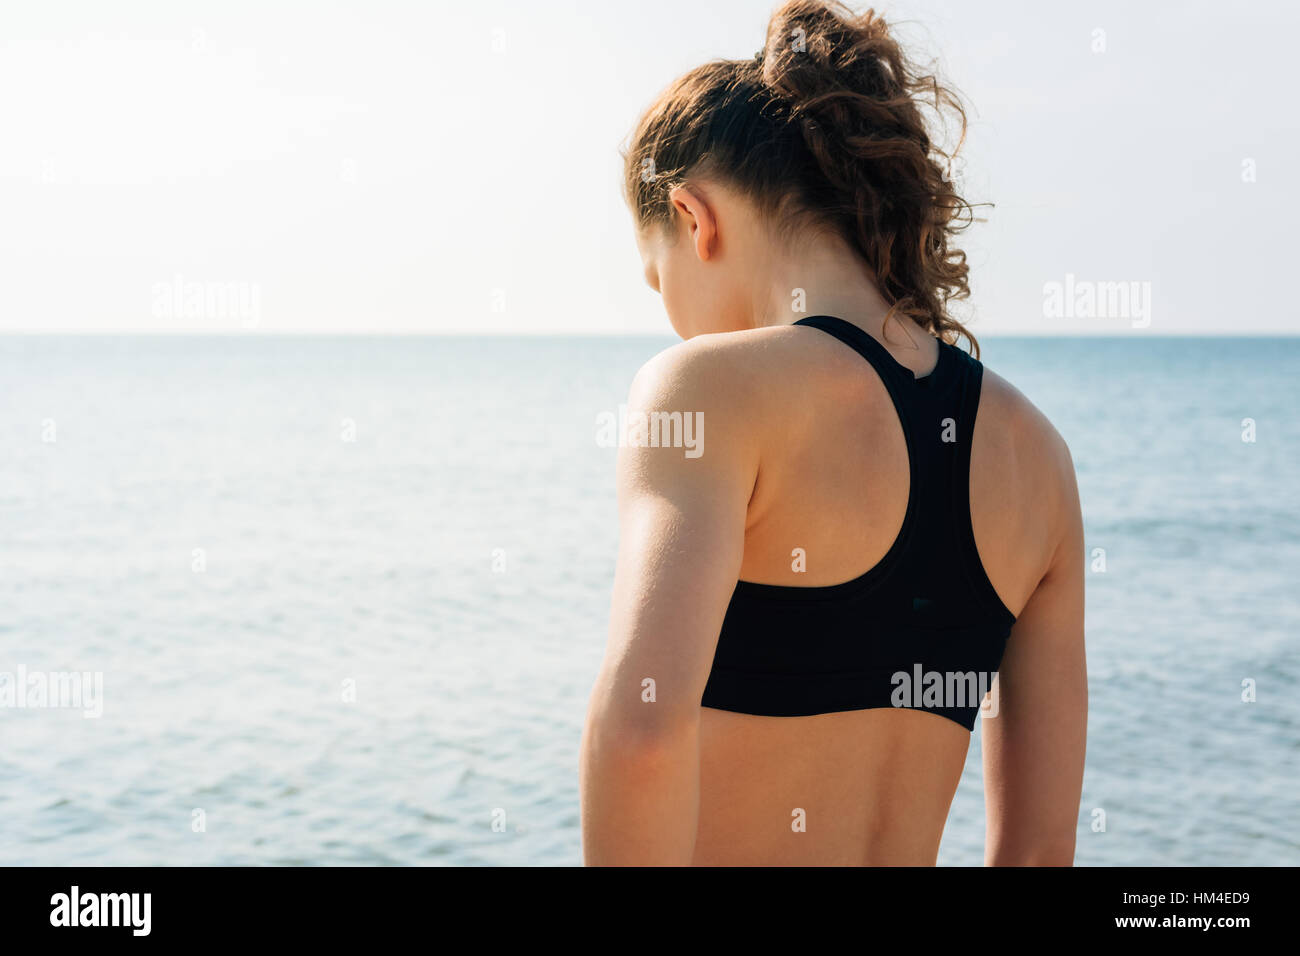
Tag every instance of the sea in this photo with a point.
(340, 600)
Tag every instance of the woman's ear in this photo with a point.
(697, 216)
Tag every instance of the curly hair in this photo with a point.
(825, 126)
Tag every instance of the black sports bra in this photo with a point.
(924, 628)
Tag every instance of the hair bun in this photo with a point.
(814, 48)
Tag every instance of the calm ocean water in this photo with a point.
(348, 595)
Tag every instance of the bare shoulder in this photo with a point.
(1011, 427)
(753, 385)
(1015, 423)
(709, 389)
(722, 369)
(736, 382)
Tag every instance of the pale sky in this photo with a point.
(453, 167)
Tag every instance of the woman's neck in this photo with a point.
(825, 277)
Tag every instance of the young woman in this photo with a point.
(807, 615)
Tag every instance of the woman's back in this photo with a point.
(864, 785)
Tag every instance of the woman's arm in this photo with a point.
(682, 524)
(1034, 747)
